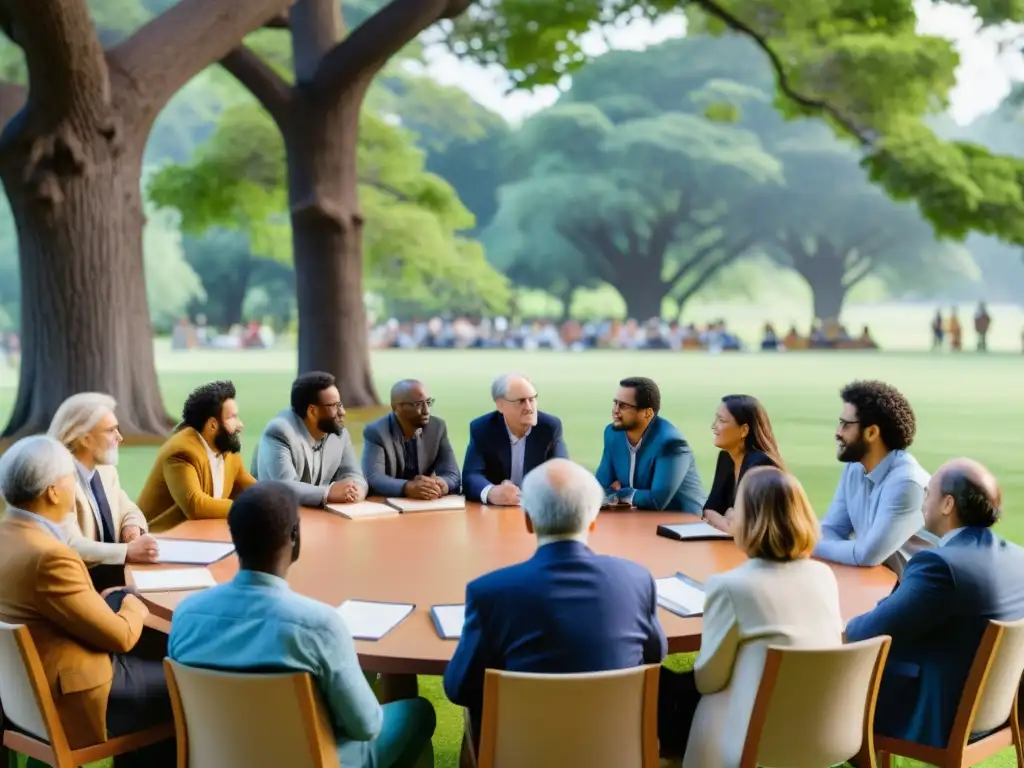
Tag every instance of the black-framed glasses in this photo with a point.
(419, 405)
(844, 423)
(622, 406)
(523, 400)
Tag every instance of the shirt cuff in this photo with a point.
(484, 492)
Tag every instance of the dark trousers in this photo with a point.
(138, 696)
(678, 698)
(106, 576)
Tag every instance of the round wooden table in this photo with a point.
(427, 559)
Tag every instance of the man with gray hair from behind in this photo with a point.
(102, 682)
(107, 528)
(566, 610)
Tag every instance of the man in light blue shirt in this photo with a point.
(876, 515)
(256, 623)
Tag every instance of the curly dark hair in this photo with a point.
(206, 402)
(882, 405)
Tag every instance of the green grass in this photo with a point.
(967, 405)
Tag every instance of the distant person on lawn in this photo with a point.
(308, 447)
(199, 470)
(407, 452)
(876, 511)
(256, 623)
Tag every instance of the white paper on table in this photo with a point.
(701, 530)
(187, 552)
(172, 579)
(362, 509)
(450, 501)
(371, 621)
(680, 597)
(448, 620)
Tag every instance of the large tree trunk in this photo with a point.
(643, 294)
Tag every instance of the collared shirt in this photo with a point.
(410, 449)
(633, 450)
(256, 623)
(39, 520)
(85, 478)
(881, 510)
(216, 468)
(518, 460)
(948, 536)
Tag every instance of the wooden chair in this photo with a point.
(231, 719)
(26, 701)
(989, 703)
(816, 707)
(599, 719)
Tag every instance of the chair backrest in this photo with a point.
(815, 706)
(25, 697)
(599, 719)
(255, 720)
(991, 688)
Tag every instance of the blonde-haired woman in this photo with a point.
(778, 597)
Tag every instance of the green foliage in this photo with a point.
(171, 285)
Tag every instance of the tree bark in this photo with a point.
(12, 99)
(71, 164)
(643, 294)
(825, 273)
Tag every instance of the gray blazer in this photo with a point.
(384, 455)
(285, 452)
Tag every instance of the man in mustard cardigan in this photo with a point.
(199, 470)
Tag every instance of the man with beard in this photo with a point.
(107, 529)
(407, 452)
(647, 463)
(876, 512)
(198, 471)
(308, 447)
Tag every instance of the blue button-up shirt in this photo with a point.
(881, 510)
(256, 623)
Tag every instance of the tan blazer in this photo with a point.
(180, 485)
(45, 585)
(83, 530)
(758, 604)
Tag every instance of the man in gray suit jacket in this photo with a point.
(308, 447)
(407, 452)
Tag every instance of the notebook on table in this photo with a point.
(369, 620)
(681, 595)
(172, 579)
(451, 501)
(448, 620)
(192, 552)
(692, 532)
(361, 510)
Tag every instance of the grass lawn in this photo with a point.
(966, 405)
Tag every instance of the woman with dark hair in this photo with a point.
(743, 433)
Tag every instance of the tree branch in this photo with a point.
(712, 269)
(364, 52)
(864, 267)
(692, 262)
(167, 52)
(259, 78)
(12, 99)
(865, 137)
(278, 22)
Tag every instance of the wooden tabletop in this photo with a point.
(427, 559)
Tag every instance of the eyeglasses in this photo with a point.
(622, 406)
(843, 423)
(333, 407)
(420, 405)
(523, 401)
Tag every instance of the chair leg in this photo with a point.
(884, 760)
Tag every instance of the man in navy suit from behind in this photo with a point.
(941, 607)
(565, 610)
(507, 443)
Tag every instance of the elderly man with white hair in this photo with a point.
(566, 609)
(507, 443)
(88, 644)
(107, 527)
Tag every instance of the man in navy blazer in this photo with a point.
(942, 605)
(566, 609)
(507, 443)
(646, 461)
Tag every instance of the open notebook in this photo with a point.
(368, 620)
(692, 532)
(450, 501)
(448, 620)
(172, 579)
(681, 595)
(362, 510)
(190, 552)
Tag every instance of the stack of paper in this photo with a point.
(188, 552)
(681, 596)
(448, 620)
(692, 532)
(362, 509)
(172, 579)
(433, 505)
(371, 621)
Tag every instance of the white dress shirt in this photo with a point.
(216, 469)
(518, 460)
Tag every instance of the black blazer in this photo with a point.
(723, 487)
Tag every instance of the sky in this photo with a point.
(983, 78)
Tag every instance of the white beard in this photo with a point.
(108, 457)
